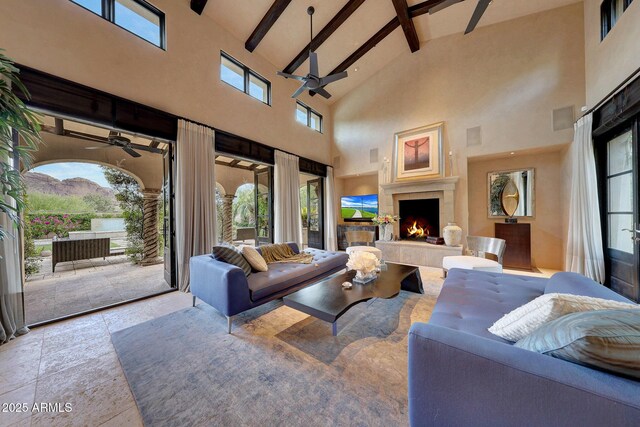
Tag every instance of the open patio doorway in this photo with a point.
(98, 221)
(311, 209)
(244, 205)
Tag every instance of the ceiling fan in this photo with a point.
(481, 7)
(313, 81)
(115, 140)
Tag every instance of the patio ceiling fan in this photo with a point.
(116, 140)
(313, 81)
(481, 7)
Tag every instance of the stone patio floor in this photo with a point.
(84, 285)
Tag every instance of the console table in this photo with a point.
(517, 253)
(343, 228)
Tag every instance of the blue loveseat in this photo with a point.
(226, 288)
(462, 375)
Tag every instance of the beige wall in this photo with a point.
(507, 78)
(610, 61)
(355, 186)
(232, 178)
(61, 38)
(547, 225)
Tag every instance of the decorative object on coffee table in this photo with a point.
(418, 153)
(385, 222)
(452, 234)
(365, 265)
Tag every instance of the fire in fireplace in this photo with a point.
(419, 218)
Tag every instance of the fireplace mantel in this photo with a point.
(437, 184)
(439, 188)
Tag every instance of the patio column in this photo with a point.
(151, 201)
(227, 215)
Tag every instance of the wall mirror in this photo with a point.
(511, 193)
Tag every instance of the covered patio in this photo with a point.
(79, 286)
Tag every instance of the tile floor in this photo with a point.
(83, 285)
(74, 362)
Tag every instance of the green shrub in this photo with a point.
(31, 255)
(42, 225)
(55, 204)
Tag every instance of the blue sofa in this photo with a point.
(462, 375)
(226, 288)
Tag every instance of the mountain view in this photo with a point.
(41, 183)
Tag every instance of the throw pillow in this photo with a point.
(254, 258)
(605, 339)
(527, 318)
(231, 255)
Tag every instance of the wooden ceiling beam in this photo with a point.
(402, 10)
(335, 23)
(423, 8)
(266, 23)
(198, 6)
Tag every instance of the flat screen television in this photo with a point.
(359, 208)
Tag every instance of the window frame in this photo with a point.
(108, 14)
(610, 13)
(309, 112)
(247, 74)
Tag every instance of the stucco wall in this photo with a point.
(610, 61)
(507, 78)
(62, 38)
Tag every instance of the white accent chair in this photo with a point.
(478, 246)
(367, 237)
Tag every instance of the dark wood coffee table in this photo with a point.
(328, 300)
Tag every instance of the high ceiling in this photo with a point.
(290, 33)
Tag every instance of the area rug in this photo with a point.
(279, 366)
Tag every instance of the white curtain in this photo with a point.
(330, 238)
(12, 322)
(584, 242)
(287, 221)
(195, 195)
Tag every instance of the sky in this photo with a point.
(369, 202)
(74, 170)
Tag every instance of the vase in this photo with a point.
(452, 234)
(386, 232)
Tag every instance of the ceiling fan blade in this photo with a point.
(291, 76)
(313, 64)
(477, 14)
(333, 78)
(322, 92)
(299, 91)
(98, 148)
(443, 5)
(131, 152)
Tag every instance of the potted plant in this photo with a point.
(14, 117)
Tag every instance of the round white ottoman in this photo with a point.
(377, 252)
(471, 263)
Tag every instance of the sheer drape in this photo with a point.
(12, 321)
(330, 238)
(195, 195)
(584, 243)
(287, 221)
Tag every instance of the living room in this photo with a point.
(208, 79)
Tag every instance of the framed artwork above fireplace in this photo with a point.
(418, 153)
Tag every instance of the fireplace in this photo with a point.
(419, 218)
